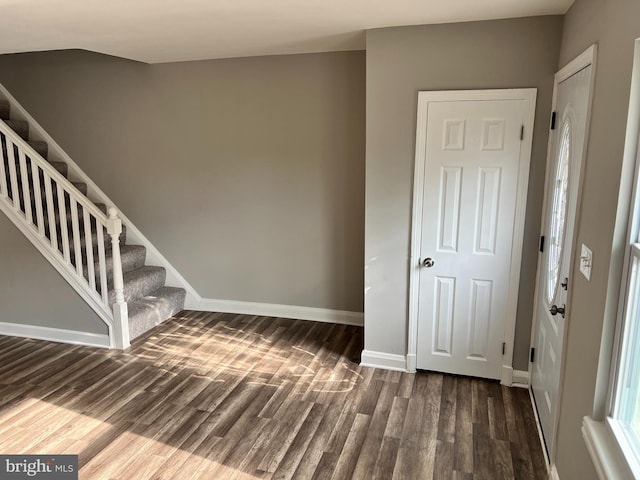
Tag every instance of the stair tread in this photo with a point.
(38, 145)
(140, 282)
(5, 108)
(153, 309)
(132, 257)
(21, 127)
(125, 251)
(61, 167)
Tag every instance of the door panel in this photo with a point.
(563, 181)
(449, 211)
(469, 206)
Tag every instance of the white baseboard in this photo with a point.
(553, 473)
(520, 379)
(514, 378)
(386, 361)
(55, 335)
(506, 376)
(412, 363)
(275, 310)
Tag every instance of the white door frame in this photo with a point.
(528, 95)
(582, 61)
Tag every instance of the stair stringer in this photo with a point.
(94, 193)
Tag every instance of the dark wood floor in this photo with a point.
(228, 396)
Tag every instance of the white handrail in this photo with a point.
(69, 250)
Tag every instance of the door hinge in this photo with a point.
(522, 133)
(553, 120)
(532, 356)
(542, 243)
(504, 347)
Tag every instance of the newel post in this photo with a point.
(120, 313)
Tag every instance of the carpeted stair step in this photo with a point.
(94, 241)
(140, 283)
(58, 219)
(40, 147)
(61, 167)
(68, 212)
(100, 206)
(132, 256)
(21, 127)
(153, 309)
(81, 187)
(5, 109)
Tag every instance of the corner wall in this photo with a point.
(516, 53)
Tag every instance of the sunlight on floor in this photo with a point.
(39, 427)
(220, 351)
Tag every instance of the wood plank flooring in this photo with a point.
(208, 396)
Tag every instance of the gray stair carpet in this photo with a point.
(149, 300)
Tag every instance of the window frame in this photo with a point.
(630, 285)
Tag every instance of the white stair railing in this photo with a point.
(66, 227)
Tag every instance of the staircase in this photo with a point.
(83, 240)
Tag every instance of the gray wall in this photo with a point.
(401, 61)
(613, 25)
(247, 174)
(33, 293)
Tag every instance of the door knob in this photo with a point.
(557, 310)
(428, 262)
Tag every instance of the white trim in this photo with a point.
(553, 473)
(506, 378)
(608, 460)
(588, 57)
(56, 153)
(386, 361)
(521, 379)
(582, 61)
(528, 95)
(412, 366)
(283, 311)
(514, 378)
(55, 335)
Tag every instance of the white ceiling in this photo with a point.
(156, 31)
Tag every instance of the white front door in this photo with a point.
(558, 223)
(475, 170)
